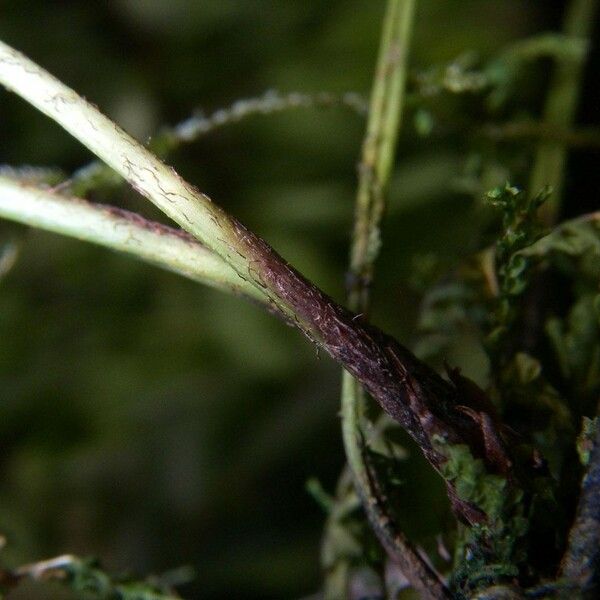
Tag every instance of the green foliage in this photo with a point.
(585, 440)
(573, 250)
(520, 230)
(473, 482)
(497, 77)
(536, 409)
(505, 72)
(499, 536)
(519, 227)
(573, 246)
(543, 417)
(350, 543)
(575, 342)
(84, 577)
(89, 581)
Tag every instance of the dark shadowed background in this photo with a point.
(151, 422)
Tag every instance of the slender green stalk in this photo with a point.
(378, 153)
(249, 256)
(188, 207)
(120, 230)
(387, 98)
(409, 391)
(559, 112)
(374, 169)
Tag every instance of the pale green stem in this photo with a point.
(378, 153)
(374, 169)
(387, 98)
(561, 104)
(379, 362)
(97, 174)
(182, 202)
(377, 158)
(120, 230)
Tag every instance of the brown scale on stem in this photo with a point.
(426, 405)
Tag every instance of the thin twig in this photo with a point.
(270, 102)
(199, 125)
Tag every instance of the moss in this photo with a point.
(490, 552)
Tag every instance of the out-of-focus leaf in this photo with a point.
(574, 248)
(503, 72)
(537, 408)
(576, 342)
(10, 236)
(585, 439)
(579, 240)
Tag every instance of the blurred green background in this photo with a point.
(151, 422)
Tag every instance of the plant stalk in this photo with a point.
(120, 230)
(379, 147)
(409, 391)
